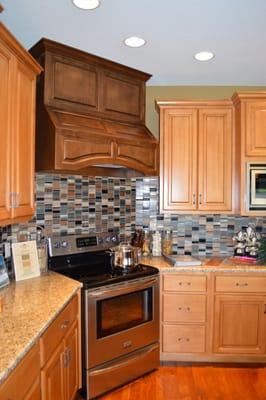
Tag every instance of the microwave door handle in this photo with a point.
(126, 288)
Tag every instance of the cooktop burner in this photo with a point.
(85, 258)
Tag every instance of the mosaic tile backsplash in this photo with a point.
(67, 204)
(204, 235)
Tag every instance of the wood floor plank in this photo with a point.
(196, 383)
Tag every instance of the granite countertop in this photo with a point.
(27, 308)
(214, 264)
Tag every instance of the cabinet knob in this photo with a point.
(183, 339)
(65, 324)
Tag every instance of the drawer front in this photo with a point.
(183, 339)
(58, 329)
(21, 380)
(240, 284)
(185, 283)
(184, 307)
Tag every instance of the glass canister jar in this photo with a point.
(156, 244)
(167, 243)
(41, 248)
(146, 244)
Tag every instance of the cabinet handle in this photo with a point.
(200, 199)
(184, 283)
(69, 356)
(264, 308)
(184, 308)
(12, 199)
(65, 359)
(241, 284)
(183, 339)
(65, 324)
(194, 199)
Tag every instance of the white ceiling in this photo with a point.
(235, 30)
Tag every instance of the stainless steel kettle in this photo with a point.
(125, 256)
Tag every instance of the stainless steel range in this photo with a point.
(120, 311)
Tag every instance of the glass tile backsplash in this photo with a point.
(68, 204)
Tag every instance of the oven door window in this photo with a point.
(116, 314)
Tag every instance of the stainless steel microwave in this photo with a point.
(256, 186)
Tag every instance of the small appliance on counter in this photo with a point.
(120, 309)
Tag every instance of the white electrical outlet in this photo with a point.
(7, 250)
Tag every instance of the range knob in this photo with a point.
(114, 239)
(57, 245)
(64, 244)
(100, 240)
(107, 239)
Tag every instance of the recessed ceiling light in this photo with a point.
(134, 41)
(86, 4)
(204, 56)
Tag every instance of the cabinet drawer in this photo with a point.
(183, 339)
(57, 330)
(184, 308)
(21, 380)
(240, 284)
(184, 283)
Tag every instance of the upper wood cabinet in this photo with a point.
(91, 115)
(18, 72)
(250, 127)
(196, 156)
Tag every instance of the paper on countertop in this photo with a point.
(182, 261)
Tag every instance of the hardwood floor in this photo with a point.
(196, 383)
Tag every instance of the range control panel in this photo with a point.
(74, 244)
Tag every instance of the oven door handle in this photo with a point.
(126, 288)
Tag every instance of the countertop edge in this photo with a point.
(5, 374)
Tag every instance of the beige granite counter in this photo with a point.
(28, 307)
(214, 264)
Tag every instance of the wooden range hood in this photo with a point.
(91, 115)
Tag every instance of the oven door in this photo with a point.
(121, 318)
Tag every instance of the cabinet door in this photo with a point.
(73, 370)
(239, 325)
(6, 94)
(35, 391)
(53, 376)
(215, 160)
(178, 159)
(256, 128)
(24, 142)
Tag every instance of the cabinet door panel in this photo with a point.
(72, 85)
(72, 372)
(215, 159)
(53, 376)
(122, 97)
(179, 160)
(6, 93)
(24, 142)
(256, 128)
(239, 325)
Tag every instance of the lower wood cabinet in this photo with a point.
(60, 355)
(24, 382)
(213, 317)
(239, 324)
(51, 369)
